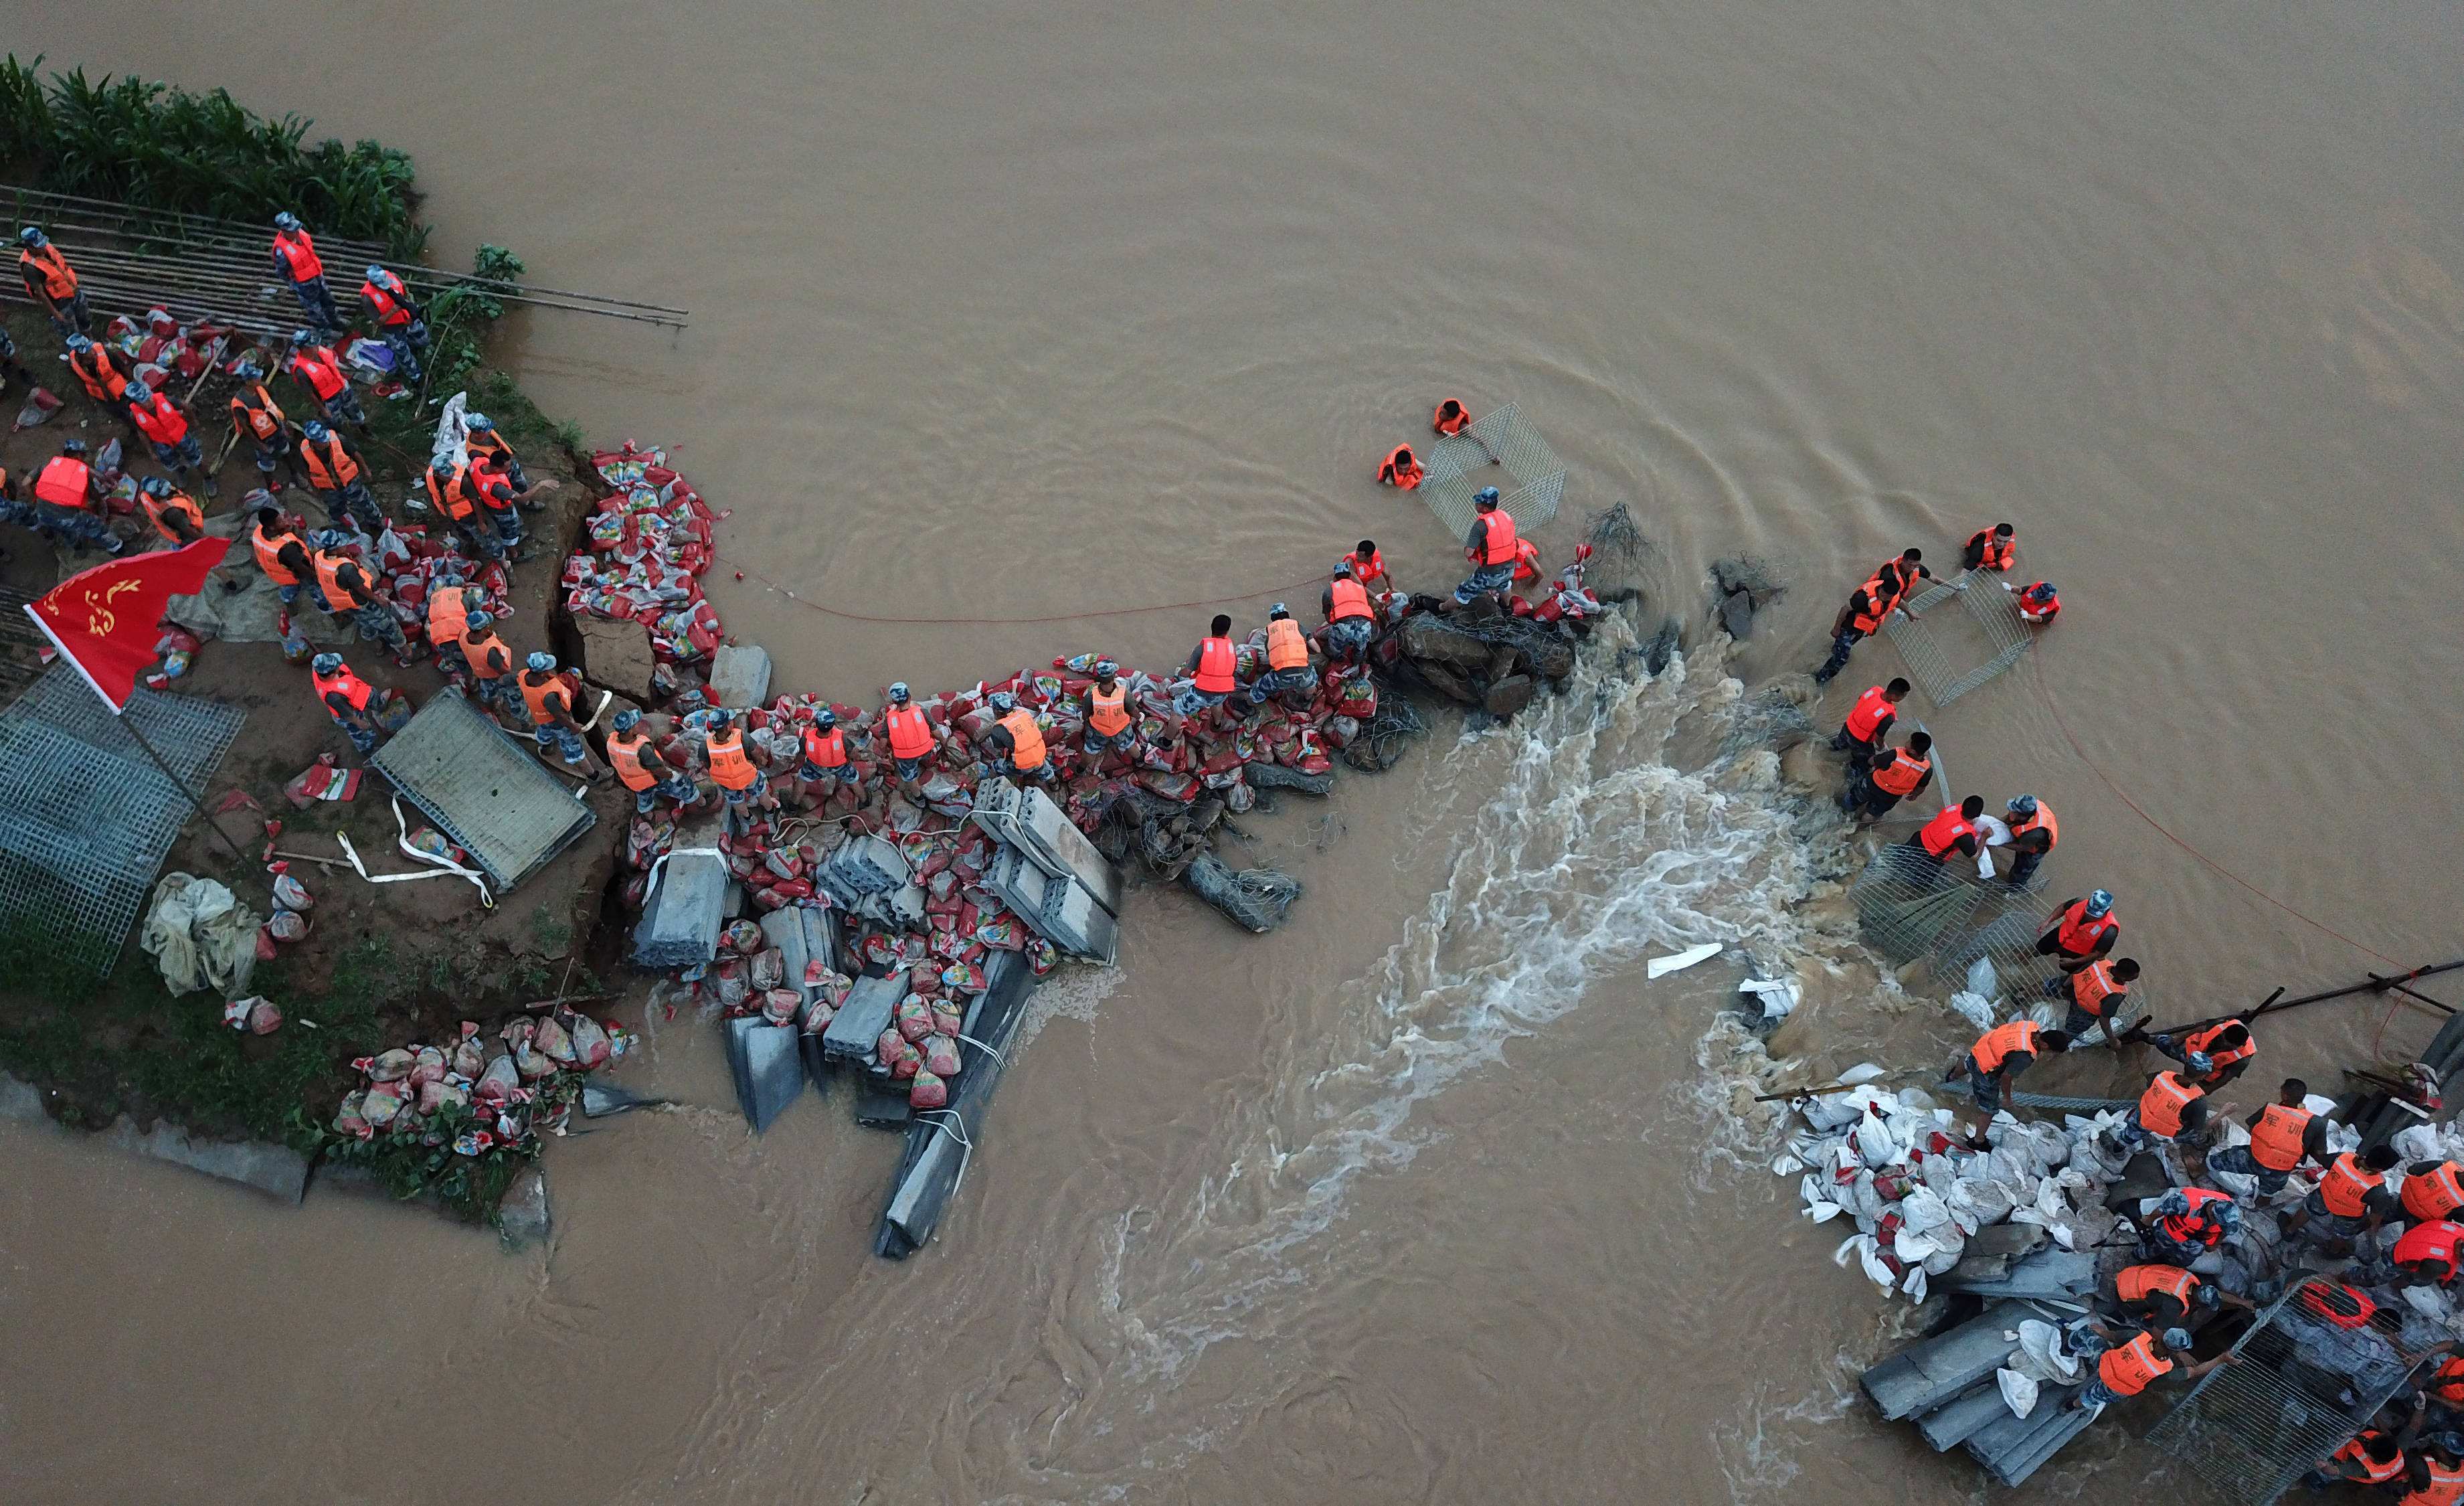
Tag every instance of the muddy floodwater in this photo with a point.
(1010, 312)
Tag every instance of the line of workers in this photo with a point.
(1890, 590)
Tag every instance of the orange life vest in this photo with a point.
(2034, 612)
(2092, 986)
(329, 580)
(1108, 713)
(1497, 543)
(317, 367)
(2373, 1471)
(1351, 598)
(2347, 1187)
(2137, 1283)
(1941, 836)
(625, 753)
(2041, 820)
(66, 481)
(535, 696)
(1369, 571)
(911, 734)
(1285, 648)
(1394, 471)
(330, 467)
(451, 498)
(2189, 1226)
(2078, 935)
(101, 375)
(481, 481)
(1026, 739)
(355, 689)
(1995, 1047)
(1869, 713)
(1217, 666)
(2433, 1194)
(160, 421)
(826, 749)
(487, 448)
(2275, 1140)
(2161, 1106)
(298, 255)
(1880, 598)
(391, 298)
(481, 653)
(449, 614)
(58, 280)
(269, 555)
(2446, 1485)
(253, 409)
(2447, 1381)
(180, 502)
(2314, 1300)
(1901, 773)
(1452, 422)
(2219, 1058)
(1997, 555)
(2128, 1370)
(2435, 1240)
(728, 764)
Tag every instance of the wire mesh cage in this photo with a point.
(85, 817)
(1991, 608)
(1505, 438)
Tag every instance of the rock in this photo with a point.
(1509, 695)
(616, 656)
(1805, 765)
(1736, 613)
(1429, 638)
(1501, 663)
(1911, 973)
(739, 676)
(523, 1219)
(21, 1101)
(1446, 683)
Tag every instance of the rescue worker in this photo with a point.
(1954, 831)
(347, 698)
(640, 768)
(1998, 1058)
(2185, 1222)
(399, 322)
(295, 261)
(255, 416)
(1368, 565)
(499, 504)
(1869, 721)
(1287, 660)
(1450, 418)
(450, 605)
(51, 282)
(167, 431)
(1402, 469)
(12, 508)
(549, 696)
(449, 493)
(351, 590)
(1213, 671)
(1901, 773)
(1991, 548)
(731, 763)
(2214, 1056)
(2442, 1386)
(104, 373)
(827, 761)
(912, 744)
(485, 443)
(2131, 1363)
(65, 499)
(2426, 1254)
(282, 553)
(2169, 1297)
(2351, 1199)
(2080, 932)
(2039, 604)
(1016, 741)
(1489, 546)
(319, 370)
(2097, 994)
(174, 514)
(2370, 1457)
(338, 477)
(2283, 1134)
(2169, 1108)
(2434, 1470)
(1350, 620)
(2034, 832)
(2432, 1190)
(1112, 727)
(1868, 607)
(492, 666)
(1902, 575)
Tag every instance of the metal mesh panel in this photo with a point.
(85, 817)
(491, 795)
(21, 643)
(2251, 1429)
(1991, 608)
(1503, 437)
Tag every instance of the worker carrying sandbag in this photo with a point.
(2351, 1200)
(2282, 1136)
(350, 590)
(2135, 1360)
(400, 321)
(638, 767)
(548, 694)
(2157, 1295)
(1015, 740)
(2168, 1108)
(2096, 995)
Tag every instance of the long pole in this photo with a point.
(2378, 984)
(182, 786)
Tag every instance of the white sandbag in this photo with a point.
(1923, 1210)
(2047, 1145)
(2342, 1139)
(2419, 1143)
(1915, 1285)
(2042, 1355)
(2320, 1103)
(1876, 1145)
(1980, 1198)
(1915, 1101)
(1976, 1008)
(1864, 1072)
(1912, 1248)
(1785, 1164)
(2019, 1391)
(1847, 1250)
(1949, 1247)
(200, 935)
(1940, 1172)
(1829, 1113)
(2043, 1012)
(1875, 1270)
(1981, 978)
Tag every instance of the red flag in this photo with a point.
(107, 619)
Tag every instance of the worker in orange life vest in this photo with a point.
(493, 684)
(66, 502)
(1351, 618)
(348, 700)
(910, 733)
(1287, 660)
(2097, 994)
(2283, 1134)
(549, 696)
(1900, 773)
(1491, 547)
(174, 514)
(2168, 1109)
(2136, 1358)
(828, 761)
(296, 262)
(2158, 1296)
(2185, 1223)
(2033, 832)
(318, 369)
(282, 553)
(1998, 1058)
(2374, 1456)
(1402, 469)
(51, 282)
(400, 321)
(1111, 721)
(2351, 1199)
(731, 763)
(2427, 1254)
(1869, 723)
(2434, 1469)
(2080, 932)
(351, 590)
(2213, 1057)
(1450, 418)
(1954, 831)
(2039, 604)
(1991, 548)
(639, 767)
(1868, 607)
(166, 431)
(2432, 1190)
(339, 475)
(1368, 566)
(1213, 671)
(1015, 740)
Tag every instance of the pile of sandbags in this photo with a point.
(648, 546)
(486, 1098)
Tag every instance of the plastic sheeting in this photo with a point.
(201, 935)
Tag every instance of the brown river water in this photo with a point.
(1005, 312)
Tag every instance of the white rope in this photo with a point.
(966, 1146)
(438, 866)
(986, 1049)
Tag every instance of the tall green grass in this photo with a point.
(164, 148)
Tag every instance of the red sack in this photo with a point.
(927, 1091)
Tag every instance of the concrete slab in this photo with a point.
(276, 1169)
(768, 1072)
(1028, 820)
(739, 676)
(857, 1029)
(687, 903)
(616, 656)
(1934, 1371)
